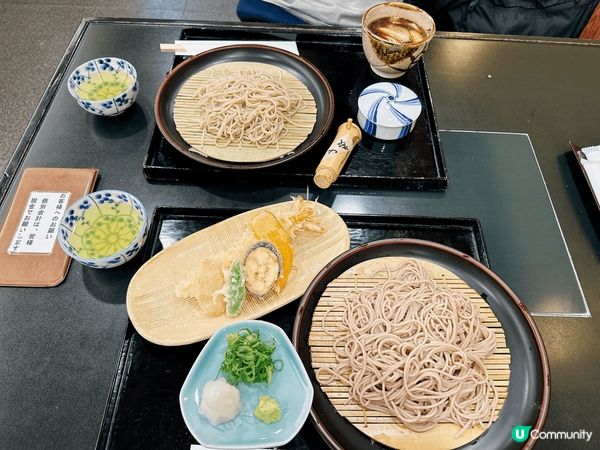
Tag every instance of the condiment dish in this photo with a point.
(290, 387)
(388, 111)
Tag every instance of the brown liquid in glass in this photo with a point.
(397, 30)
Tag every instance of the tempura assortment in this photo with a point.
(256, 264)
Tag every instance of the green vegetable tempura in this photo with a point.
(235, 291)
(249, 359)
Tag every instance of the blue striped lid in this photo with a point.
(388, 105)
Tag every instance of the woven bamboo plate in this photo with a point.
(186, 112)
(172, 104)
(161, 317)
(379, 426)
(519, 367)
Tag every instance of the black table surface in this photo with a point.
(59, 347)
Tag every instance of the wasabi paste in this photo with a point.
(267, 410)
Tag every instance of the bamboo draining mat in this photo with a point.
(163, 318)
(186, 112)
(381, 427)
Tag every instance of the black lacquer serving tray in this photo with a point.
(143, 406)
(412, 163)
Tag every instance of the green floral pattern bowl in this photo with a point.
(104, 229)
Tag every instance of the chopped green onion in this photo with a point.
(249, 359)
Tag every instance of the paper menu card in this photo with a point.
(202, 447)
(588, 159)
(590, 162)
(37, 229)
(29, 253)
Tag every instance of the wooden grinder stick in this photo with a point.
(328, 170)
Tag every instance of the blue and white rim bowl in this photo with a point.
(109, 66)
(76, 212)
(388, 111)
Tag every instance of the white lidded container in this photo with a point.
(388, 111)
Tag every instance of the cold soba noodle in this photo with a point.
(247, 107)
(414, 349)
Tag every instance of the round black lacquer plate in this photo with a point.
(302, 69)
(529, 383)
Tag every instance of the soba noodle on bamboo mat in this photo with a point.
(410, 354)
(244, 112)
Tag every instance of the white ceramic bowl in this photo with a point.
(104, 229)
(388, 111)
(88, 84)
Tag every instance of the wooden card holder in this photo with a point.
(39, 269)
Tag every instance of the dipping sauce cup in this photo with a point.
(104, 229)
(395, 36)
(104, 86)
